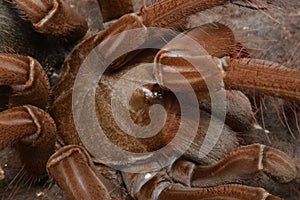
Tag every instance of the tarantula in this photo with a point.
(228, 171)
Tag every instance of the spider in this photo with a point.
(227, 172)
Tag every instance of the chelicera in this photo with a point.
(225, 173)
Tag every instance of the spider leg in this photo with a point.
(53, 18)
(263, 77)
(27, 80)
(33, 130)
(75, 173)
(171, 14)
(158, 185)
(243, 163)
(226, 192)
(198, 66)
(242, 74)
(163, 14)
(254, 165)
(217, 181)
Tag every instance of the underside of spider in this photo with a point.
(40, 116)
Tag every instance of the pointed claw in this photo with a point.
(225, 192)
(54, 18)
(34, 132)
(27, 79)
(74, 172)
